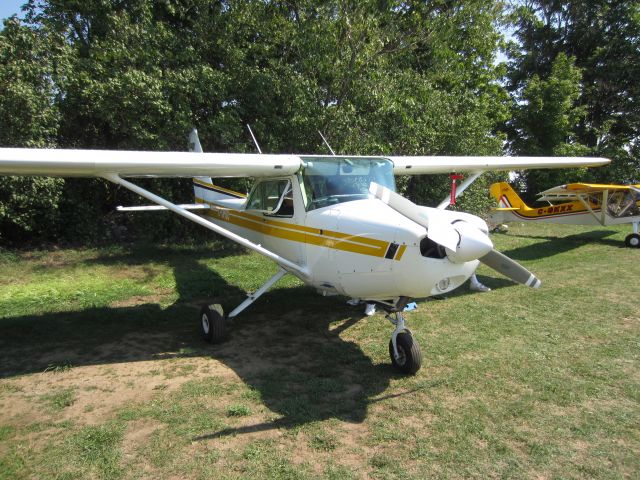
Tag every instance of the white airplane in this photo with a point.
(335, 222)
(573, 204)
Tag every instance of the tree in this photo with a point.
(545, 119)
(376, 77)
(603, 38)
(29, 62)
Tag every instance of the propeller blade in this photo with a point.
(438, 228)
(510, 268)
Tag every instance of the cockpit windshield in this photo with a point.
(331, 180)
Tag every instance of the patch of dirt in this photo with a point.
(99, 390)
(137, 436)
(137, 300)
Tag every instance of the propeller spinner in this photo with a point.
(463, 242)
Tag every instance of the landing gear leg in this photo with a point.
(403, 349)
(213, 321)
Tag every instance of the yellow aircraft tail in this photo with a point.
(507, 198)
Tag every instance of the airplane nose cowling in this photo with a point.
(474, 243)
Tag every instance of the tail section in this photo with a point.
(510, 206)
(507, 197)
(204, 189)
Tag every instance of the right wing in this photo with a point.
(437, 164)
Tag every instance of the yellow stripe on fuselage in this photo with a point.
(401, 251)
(302, 233)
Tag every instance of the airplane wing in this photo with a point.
(582, 188)
(96, 163)
(437, 164)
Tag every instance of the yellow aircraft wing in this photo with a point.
(586, 188)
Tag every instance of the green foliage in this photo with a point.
(376, 77)
(602, 38)
(29, 117)
(545, 120)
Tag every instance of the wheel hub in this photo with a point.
(205, 324)
(402, 356)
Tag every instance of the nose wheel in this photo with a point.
(403, 349)
(409, 359)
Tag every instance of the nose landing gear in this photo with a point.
(403, 349)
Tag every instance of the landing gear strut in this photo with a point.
(212, 320)
(403, 349)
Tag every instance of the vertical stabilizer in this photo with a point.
(507, 196)
(509, 202)
(194, 142)
(203, 188)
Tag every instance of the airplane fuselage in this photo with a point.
(351, 244)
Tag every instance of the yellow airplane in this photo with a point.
(335, 222)
(574, 204)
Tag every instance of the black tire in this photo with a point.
(212, 323)
(410, 356)
(632, 241)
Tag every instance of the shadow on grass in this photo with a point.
(556, 245)
(286, 347)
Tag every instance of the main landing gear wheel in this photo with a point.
(212, 323)
(632, 240)
(409, 355)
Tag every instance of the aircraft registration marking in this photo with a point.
(566, 209)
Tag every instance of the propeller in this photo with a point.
(463, 241)
(440, 229)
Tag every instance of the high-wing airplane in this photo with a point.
(575, 204)
(335, 222)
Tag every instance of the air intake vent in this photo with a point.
(430, 249)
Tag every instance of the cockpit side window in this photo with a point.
(623, 203)
(272, 197)
(331, 180)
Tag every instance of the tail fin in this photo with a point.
(507, 197)
(204, 189)
(194, 142)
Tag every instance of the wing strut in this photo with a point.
(287, 265)
(258, 293)
(463, 186)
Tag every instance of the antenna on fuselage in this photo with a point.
(327, 144)
(254, 138)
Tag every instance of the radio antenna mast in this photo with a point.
(254, 139)
(327, 144)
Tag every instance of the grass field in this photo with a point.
(103, 373)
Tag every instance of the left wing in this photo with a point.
(97, 163)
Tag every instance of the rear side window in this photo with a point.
(272, 197)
